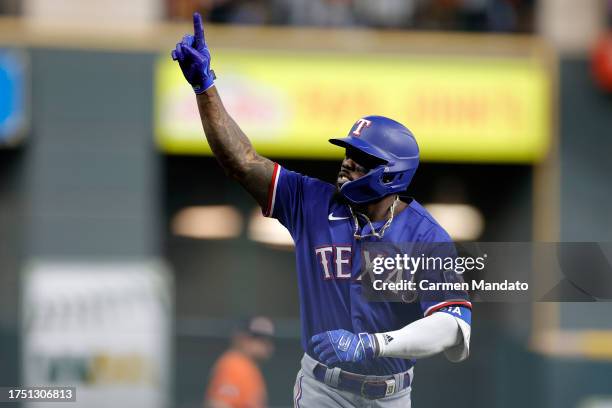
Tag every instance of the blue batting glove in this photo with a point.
(194, 58)
(342, 346)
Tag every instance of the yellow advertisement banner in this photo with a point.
(290, 104)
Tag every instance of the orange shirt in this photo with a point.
(237, 382)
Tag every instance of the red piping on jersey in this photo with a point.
(272, 191)
(439, 306)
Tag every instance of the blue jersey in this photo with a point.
(328, 264)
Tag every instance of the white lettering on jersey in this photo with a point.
(341, 271)
(368, 264)
(323, 252)
(340, 262)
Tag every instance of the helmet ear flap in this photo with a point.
(375, 185)
(388, 178)
(392, 178)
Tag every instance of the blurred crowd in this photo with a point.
(462, 15)
(453, 15)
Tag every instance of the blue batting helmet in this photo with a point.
(393, 144)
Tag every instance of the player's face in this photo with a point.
(355, 165)
(260, 348)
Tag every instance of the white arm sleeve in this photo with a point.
(426, 337)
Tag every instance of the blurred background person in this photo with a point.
(236, 379)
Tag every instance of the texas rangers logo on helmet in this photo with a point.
(361, 123)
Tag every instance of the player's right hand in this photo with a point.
(194, 58)
(342, 346)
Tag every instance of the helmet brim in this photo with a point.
(360, 145)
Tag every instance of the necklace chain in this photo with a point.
(381, 232)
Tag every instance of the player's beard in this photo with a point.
(340, 197)
(343, 200)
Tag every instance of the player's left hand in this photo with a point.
(341, 346)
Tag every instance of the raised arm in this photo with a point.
(228, 142)
(233, 149)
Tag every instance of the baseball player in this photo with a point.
(236, 380)
(357, 353)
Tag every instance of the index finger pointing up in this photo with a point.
(198, 31)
